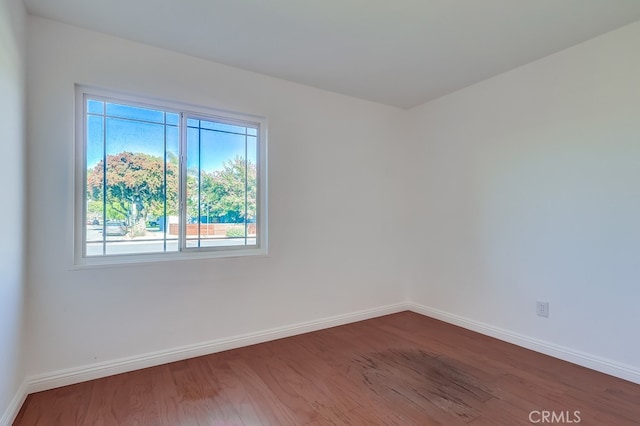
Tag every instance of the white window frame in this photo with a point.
(185, 110)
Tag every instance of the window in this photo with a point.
(158, 181)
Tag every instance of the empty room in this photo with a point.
(288, 212)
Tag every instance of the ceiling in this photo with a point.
(396, 52)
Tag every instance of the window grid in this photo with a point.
(138, 209)
(197, 124)
(105, 116)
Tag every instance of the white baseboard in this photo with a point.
(593, 362)
(94, 371)
(14, 406)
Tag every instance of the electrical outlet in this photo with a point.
(542, 309)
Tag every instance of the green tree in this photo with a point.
(222, 193)
(135, 187)
(230, 198)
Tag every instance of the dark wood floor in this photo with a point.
(402, 369)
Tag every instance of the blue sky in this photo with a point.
(142, 130)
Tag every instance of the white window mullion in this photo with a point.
(246, 189)
(182, 194)
(199, 217)
(104, 179)
(164, 171)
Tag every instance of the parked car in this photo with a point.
(115, 228)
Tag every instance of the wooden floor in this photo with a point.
(402, 369)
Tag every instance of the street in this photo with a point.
(153, 242)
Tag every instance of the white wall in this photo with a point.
(12, 243)
(530, 190)
(332, 232)
(520, 188)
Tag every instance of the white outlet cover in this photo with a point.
(542, 309)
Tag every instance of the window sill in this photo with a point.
(143, 259)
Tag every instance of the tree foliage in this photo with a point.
(222, 193)
(135, 185)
